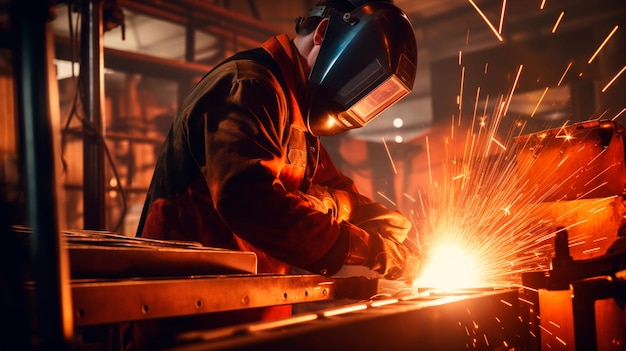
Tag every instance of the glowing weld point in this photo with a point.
(450, 268)
(507, 211)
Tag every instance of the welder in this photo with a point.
(243, 168)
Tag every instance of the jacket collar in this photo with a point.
(291, 66)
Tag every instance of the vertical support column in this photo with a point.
(185, 85)
(53, 303)
(91, 75)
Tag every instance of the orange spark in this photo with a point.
(487, 21)
(539, 102)
(506, 303)
(554, 324)
(430, 171)
(561, 341)
(557, 22)
(386, 198)
(461, 92)
(476, 102)
(603, 43)
(502, 16)
(562, 161)
(614, 78)
(564, 73)
(617, 115)
(498, 143)
(408, 197)
(519, 71)
(543, 3)
(393, 165)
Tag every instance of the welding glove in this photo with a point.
(376, 218)
(382, 255)
(337, 203)
(387, 257)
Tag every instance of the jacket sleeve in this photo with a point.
(239, 144)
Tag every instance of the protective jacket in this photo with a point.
(235, 163)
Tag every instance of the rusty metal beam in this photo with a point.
(126, 61)
(117, 301)
(207, 17)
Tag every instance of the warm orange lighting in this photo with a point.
(451, 267)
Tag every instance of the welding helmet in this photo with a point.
(366, 63)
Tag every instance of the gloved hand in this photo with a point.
(337, 203)
(391, 259)
(376, 218)
(383, 255)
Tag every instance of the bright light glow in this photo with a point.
(484, 216)
(331, 122)
(398, 139)
(398, 122)
(451, 267)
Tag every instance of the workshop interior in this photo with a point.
(507, 155)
